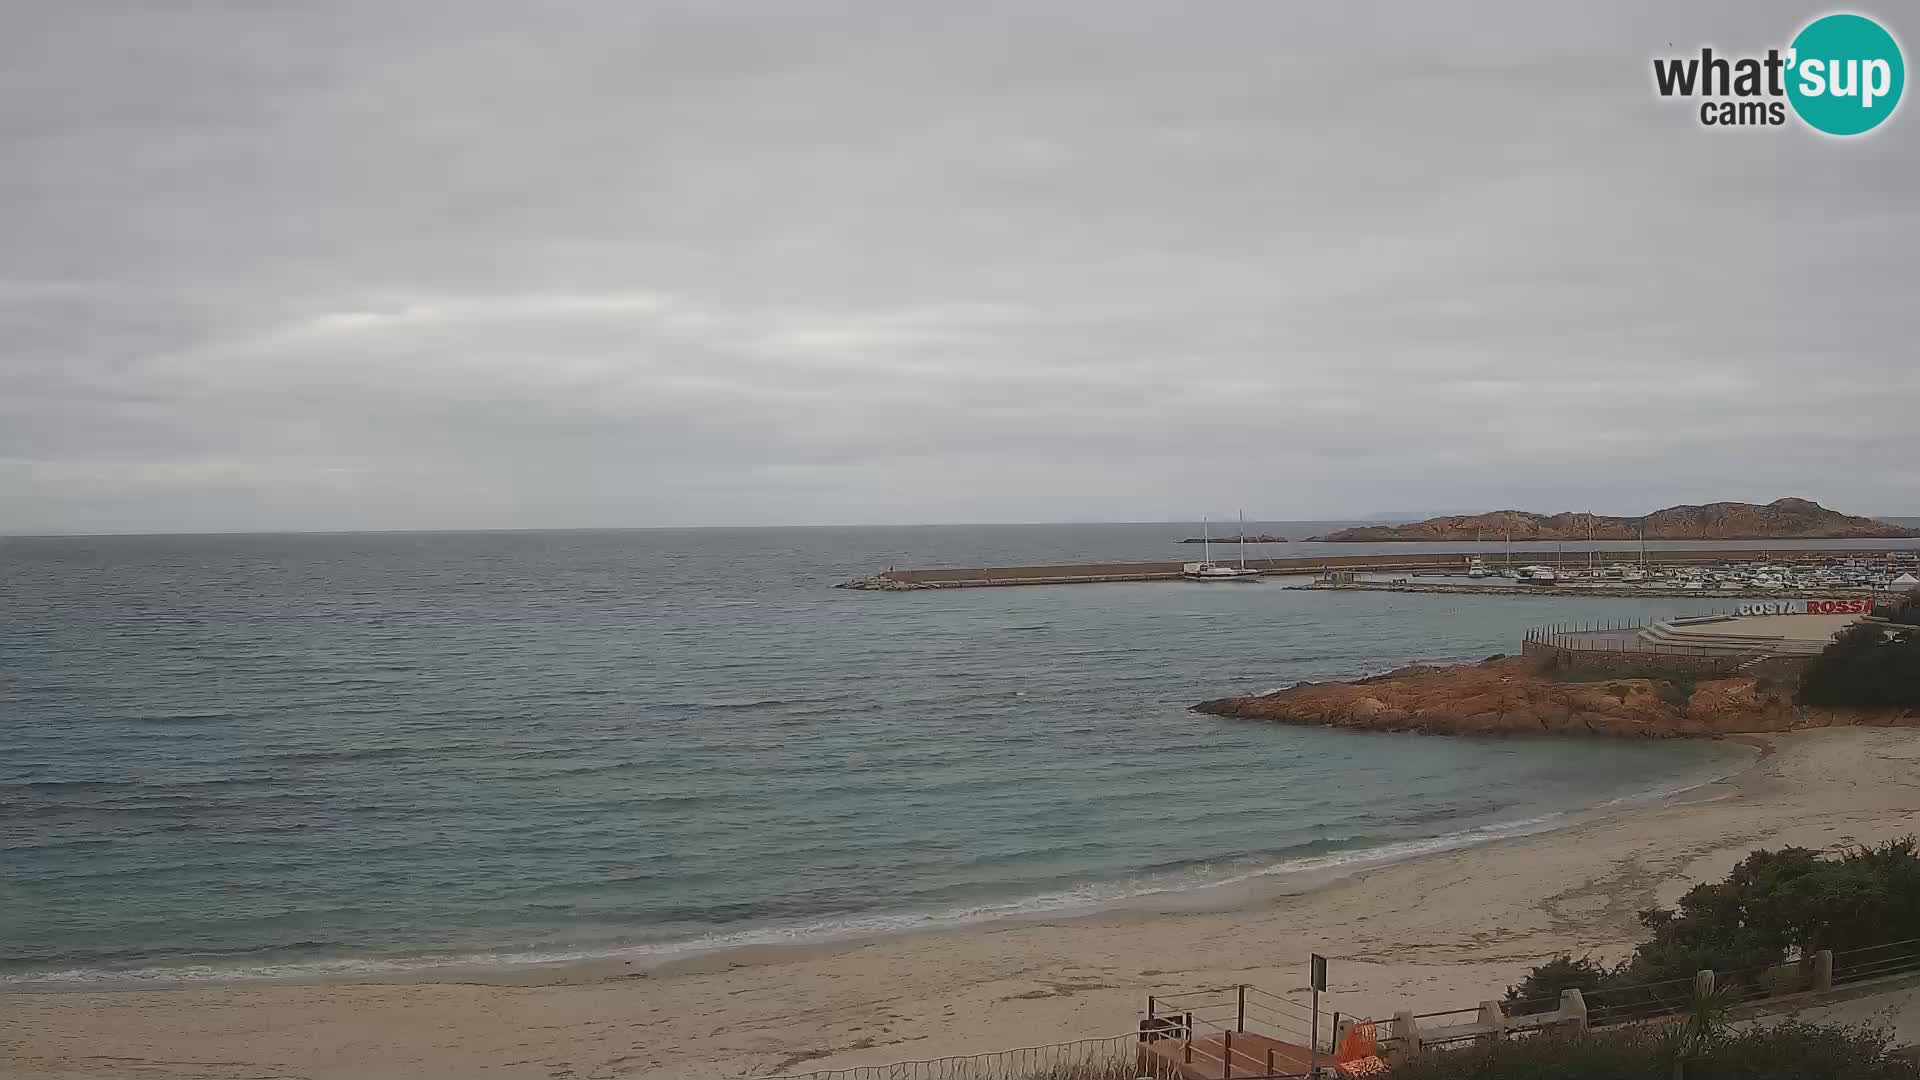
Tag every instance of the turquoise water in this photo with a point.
(259, 755)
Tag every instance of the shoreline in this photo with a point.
(1482, 916)
(1244, 890)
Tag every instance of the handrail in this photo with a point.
(897, 1068)
(1447, 1012)
(1871, 948)
(1296, 1006)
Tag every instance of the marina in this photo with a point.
(1789, 572)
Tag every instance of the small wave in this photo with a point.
(1670, 791)
(182, 719)
(1081, 899)
(66, 785)
(727, 703)
(315, 757)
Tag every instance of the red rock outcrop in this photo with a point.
(1516, 696)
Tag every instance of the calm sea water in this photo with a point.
(235, 755)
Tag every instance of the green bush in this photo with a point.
(1622, 1054)
(1785, 1051)
(1540, 991)
(1790, 1050)
(1772, 905)
(1865, 667)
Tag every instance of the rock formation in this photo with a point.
(1782, 519)
(1515, 695)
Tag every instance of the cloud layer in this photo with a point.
(487, 265)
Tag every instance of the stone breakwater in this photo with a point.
(878, 583)
(1627, 591)
(1521, 695)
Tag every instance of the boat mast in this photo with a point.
(1206, 543)
(1243, 539)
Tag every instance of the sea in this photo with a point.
(298, 755)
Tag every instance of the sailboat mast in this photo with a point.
(1206, 542)
(1243, 539)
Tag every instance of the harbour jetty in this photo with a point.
(897, 580)
(1337, 583)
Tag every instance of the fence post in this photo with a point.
(1823, 970)
(1493, 1019)
(1226, 1055)
(1240, 1014)
(1406, 1031)
(1573, 1009)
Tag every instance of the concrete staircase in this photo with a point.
(1761, 646)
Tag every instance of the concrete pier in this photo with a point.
(1394, 562)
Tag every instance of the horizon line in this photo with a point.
(1374, 520)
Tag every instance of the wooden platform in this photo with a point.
(1168, 1057)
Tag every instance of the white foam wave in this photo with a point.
(1083, 899)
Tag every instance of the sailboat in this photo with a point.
(1208, 570)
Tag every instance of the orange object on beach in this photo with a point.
(1359, 1052)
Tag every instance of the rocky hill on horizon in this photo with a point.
(1782, 519)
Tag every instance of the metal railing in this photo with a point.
(1874, 961)
(1205, 1024)
(1116, 1057)
(1642, 1001)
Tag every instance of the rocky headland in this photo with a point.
(1782, 519)
(1521, 695)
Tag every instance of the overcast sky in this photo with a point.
(411, 265)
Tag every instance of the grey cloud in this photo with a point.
(437, 265)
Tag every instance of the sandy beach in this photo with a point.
(1441, 931)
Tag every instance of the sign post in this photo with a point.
(1317, 972)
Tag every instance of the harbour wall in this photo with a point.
(1083, 573)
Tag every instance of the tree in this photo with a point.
(1772, 906)
(1866, 666)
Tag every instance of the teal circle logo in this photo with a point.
(1845, 74)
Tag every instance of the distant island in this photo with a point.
(1782, 519)
(1256, 538)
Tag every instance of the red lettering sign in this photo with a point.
(1851, 606)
